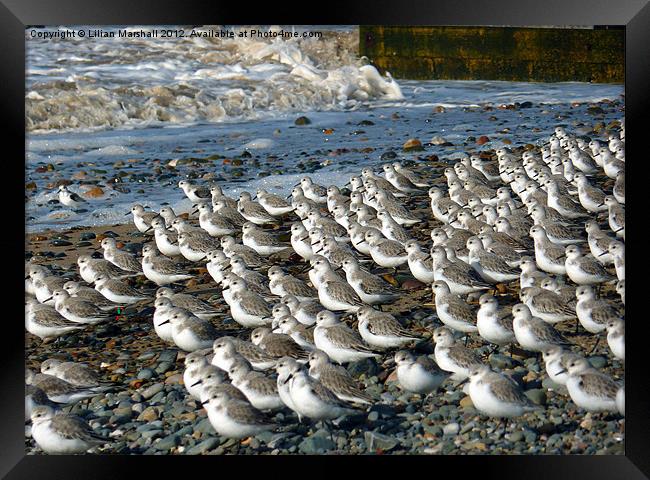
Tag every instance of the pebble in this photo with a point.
(316, 444)
(152, 390)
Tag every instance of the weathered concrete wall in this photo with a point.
(496, 53)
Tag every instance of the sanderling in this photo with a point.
(547, 305)
(34, 397)
(300, 334)
(168, 214)
(598, 242)
(371, 288)
(314, 192)
(556, 359)
(282, 283)
(194, 245)
(274, 204)
(196, 193)
(141, 218)
(327, 225)
(189, 332)
(616, 216)
(591, 198)
(420, 264)
(313, 400)
(250, 257)
(619, 188)
(46, 323)
(533, 333)
(229, 212)
(117, 291)
(593, 313)
(557, 233)
(453, 357)
(418, 375)
(440, 204)
(218, 196)
(120, 258)
(44, 284)
(494, 324)
(617, 251)
(612, 166)
(260, 390)
(62, 433)
(194, 372)
(416, 179)
(391, 229)
(530, 276)
(214, 223)
(491, 267)
(160, 269)
(452, 310)
(253, 211)
(189, 302)
(399, 181)
(77, 309)
(496, 395)
(277, 344)
(589, 389)
(504, 251)
(584, 270)
(340, 342)
(381, 330)
(304, 312)
(563, 204)
(166, 240)
(286, 367)
(334, 252)
(228, 349)
(338, 296)
(262, 242)
(549, 256)
(616, 337)
(399, 212)
(248, 308)
(232, 418)
(336, 379)
(386, 253)
(300, 241)
(162, 326)
(57, 390)
(75, 373)
(460, 277)
(71, 199)
(90, 267)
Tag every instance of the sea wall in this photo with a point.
(496, 53)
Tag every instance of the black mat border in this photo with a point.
(15, 15)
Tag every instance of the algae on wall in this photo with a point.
(496, 53)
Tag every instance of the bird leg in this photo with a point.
(595, 345)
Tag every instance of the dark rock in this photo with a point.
(367, 366)
(302, 121)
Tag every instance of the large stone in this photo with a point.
(377, 441)
(316, 444)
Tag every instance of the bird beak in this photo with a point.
(620, 229)
(127, 214)
(604, 253)
(147, 229)
(463, 382)
(205, 403)
(195, 384)
(166, 321)
(564, 370)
